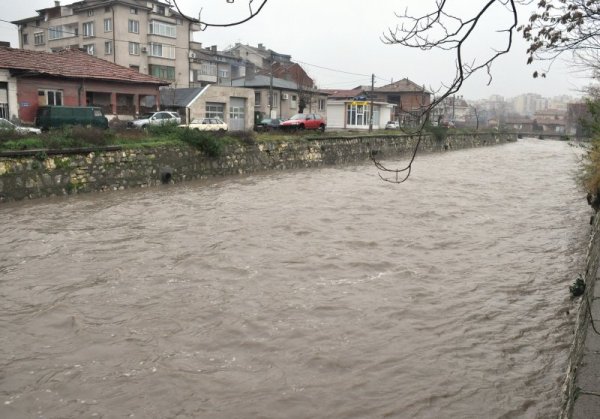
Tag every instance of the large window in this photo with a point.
(161, 50)
(357, 113)
(50, 97)
(108, 47)
(88, 29)
(25, 39)
(38, 38)
(108, 25)
(257, 97)
(133, 26)
(134, 48)
(161, 28)
(322, 103)
(215, 110)
(64, 31)
(208, 69)
(162, 72)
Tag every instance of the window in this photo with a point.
(161, 50)
(88, 29)
(133, 10)
(25, 39)
(223, 73)
(108, 47)
(163, 29)
(162, 71)
(108, 25)
(133, 26)
(357, 113)
(90, 12)
(135, 67)
(321, 105)
(275, 100)
(294, 102)
(50, 97)
(257, 97)
(38, 38)
(215, 110)
(90, 49)
(161, 10)
(236, 112)
(179, 21)
(134, 48)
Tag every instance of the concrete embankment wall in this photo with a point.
(36, 174)
(582, 383)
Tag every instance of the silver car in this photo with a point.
(155, 118)
(6, 125)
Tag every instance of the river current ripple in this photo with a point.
(301, 294)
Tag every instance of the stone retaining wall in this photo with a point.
(582, 323)
(44, 173)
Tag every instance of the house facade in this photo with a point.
(351, 109)
(234, 105)
(280, 98)
(412, 101)
(72, 78)
(149, 36)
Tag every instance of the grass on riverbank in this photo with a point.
(212, 143)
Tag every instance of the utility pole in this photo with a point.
(271, 90)
(371, 108)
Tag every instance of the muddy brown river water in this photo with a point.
(321, 293)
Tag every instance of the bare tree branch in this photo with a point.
(452, 34)
(204, 25)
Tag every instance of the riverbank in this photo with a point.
(33, 174)
(582, 384)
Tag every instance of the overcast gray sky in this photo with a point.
(334, 37)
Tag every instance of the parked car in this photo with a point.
(6, 125)
(267, 124)
(155, 118)
(206, 124)
(57, 116)
(392, 125)
(304, 121)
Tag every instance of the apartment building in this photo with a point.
(145, 35)
(211, 66)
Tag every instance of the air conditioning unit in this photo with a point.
(144, 49)
(285, 96)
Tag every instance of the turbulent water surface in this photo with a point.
(301, 294)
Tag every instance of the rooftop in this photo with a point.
(71, 63)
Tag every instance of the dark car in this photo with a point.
(267, 124)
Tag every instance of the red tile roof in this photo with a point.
(71, 64)
(343, 93)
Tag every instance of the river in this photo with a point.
(300, 294)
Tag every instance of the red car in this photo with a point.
(304, 121)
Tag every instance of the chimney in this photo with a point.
(213, 48)
(261, 46)
(56, 3)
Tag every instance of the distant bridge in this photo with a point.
(545, 135)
